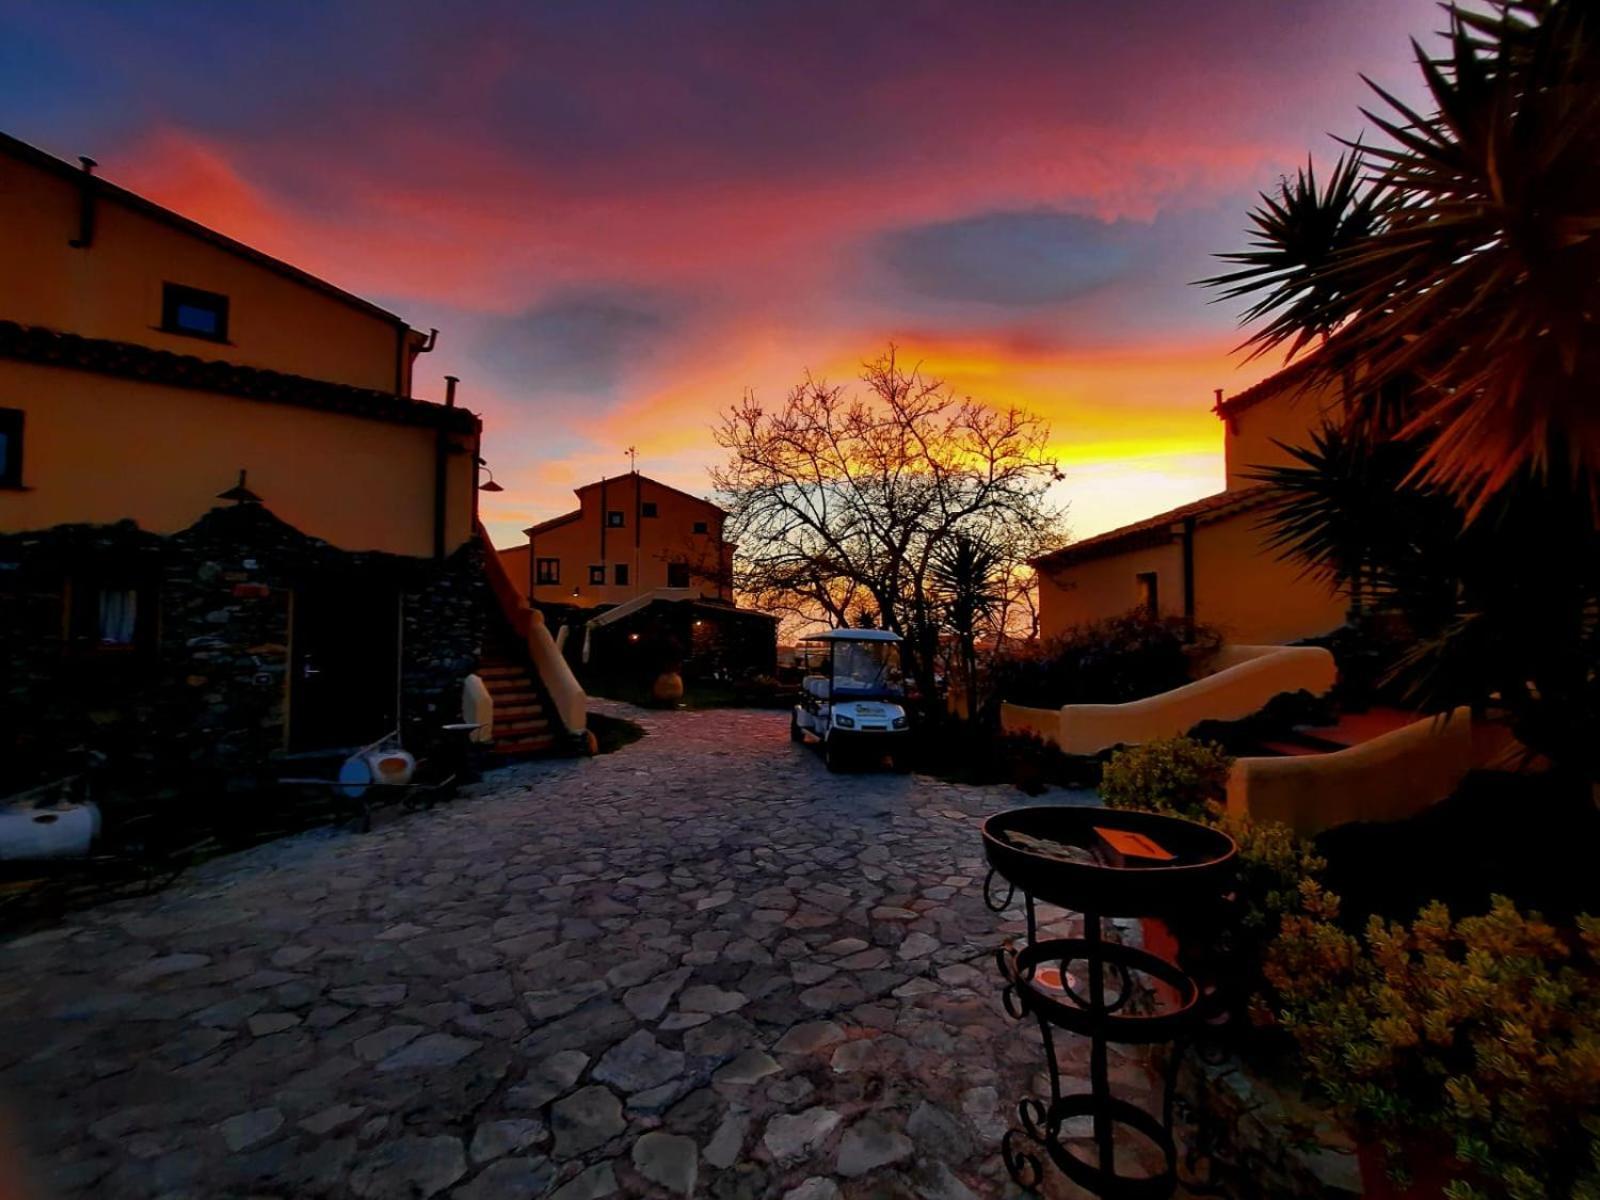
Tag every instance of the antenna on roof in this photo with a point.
(633, 459)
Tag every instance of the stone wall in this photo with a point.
(206, 687)
(442, 636)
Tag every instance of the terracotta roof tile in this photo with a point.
(1159, 529)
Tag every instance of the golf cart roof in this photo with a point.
(853, 635)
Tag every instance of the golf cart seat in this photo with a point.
(816, 686)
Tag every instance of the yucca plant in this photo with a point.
(1299, 233)
(1503, 610)
(966, 580)
(1463, 266)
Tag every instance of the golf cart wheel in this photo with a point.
(796, 734)
(832, 756)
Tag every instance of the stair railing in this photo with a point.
(527, 623)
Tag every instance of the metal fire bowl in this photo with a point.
(1199, 873)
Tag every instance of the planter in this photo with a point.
(1158, 938)
(1431, 1164)
(668, 688)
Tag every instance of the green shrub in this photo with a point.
(1107, 662)
(1177, 775)
(1484, 1032)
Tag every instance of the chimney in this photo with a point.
(85, 237)
(450, 382)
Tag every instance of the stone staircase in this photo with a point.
(521, 723)
(1350, 729)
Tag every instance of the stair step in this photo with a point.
(511, 731)
(519, 699)
(530, 745)
(487, 671)
(511, 712)
(1286, 748)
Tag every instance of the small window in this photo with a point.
(118, 616)
(190, 311)
(701, 527)
(614, 518)
(597, 576)
(108, 615)
(647, 509)
(1146, 594)
(620, 574)
(10, 447)
(548, 570)
(678, 575)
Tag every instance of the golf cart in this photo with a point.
(854, 709)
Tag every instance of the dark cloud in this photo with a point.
(1029, 258)
(581, 340)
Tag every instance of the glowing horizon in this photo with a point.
(622, 219)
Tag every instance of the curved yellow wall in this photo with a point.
(1388, 778)
(1243, 679)
(98, 449)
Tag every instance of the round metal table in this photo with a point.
(1100, 863)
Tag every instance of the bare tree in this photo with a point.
(841, 499)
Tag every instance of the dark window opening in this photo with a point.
(648, 508)
(620, 574)
(702, 527)
(678, 575)
(548, 570)
(614, 518)
(109, 614)
(10, 447)
(194, 313)
(597, 576)
(1149, 599)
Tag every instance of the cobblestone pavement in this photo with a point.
(701, 965)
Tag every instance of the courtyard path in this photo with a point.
(701, 965)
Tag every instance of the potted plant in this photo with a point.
(1465, 1053)
(1188, 778)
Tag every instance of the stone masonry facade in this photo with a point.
(204, 686)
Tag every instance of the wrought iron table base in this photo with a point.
(1102, 1020)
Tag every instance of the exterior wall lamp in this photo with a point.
(491, 485)
(238, 493)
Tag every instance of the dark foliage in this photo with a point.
(1467, 269)
(1498, 612)
(1105, 662)
(1509, 834)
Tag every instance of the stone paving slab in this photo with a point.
(699, 966)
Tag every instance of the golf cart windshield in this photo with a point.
(866, 669)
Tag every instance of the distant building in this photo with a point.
(639, 562)
(156, 599)
(1207, 560)
(629, 536)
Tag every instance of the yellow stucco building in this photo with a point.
(630, 535)
(147, 586)
(1207, 560)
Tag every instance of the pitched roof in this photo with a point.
(1293, 375)
(127, 360)
(563, 519)
(32, 155)
(1158, 530)
(649, 479)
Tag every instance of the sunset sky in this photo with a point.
(621, 215)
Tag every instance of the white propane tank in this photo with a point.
(477, 708)
(65, 832)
